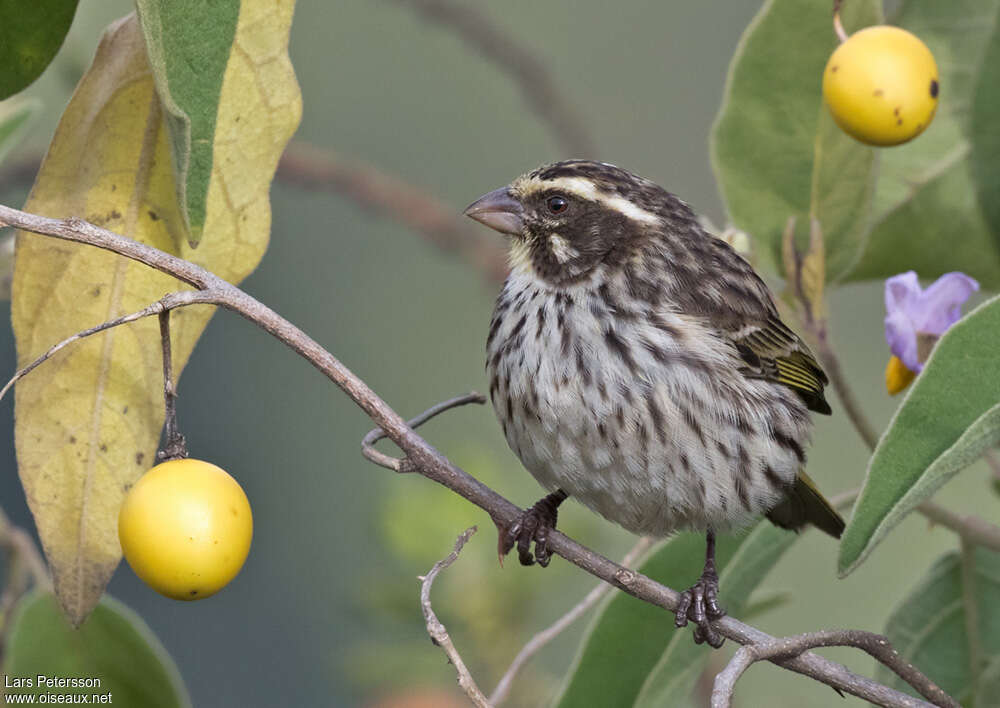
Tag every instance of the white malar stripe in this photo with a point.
(584, 189)
(561, 249)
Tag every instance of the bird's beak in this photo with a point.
(499, 211)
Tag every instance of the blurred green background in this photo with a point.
(326, 610)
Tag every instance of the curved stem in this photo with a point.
(831, 363)
(838, 26)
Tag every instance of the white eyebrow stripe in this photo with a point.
(585, 189)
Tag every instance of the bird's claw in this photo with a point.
(700, 604)
(533, 525)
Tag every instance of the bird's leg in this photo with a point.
(700, 603)
(533, 525)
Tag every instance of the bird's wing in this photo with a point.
(737, 305)
(773, 352)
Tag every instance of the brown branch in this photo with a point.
(831, 363)
(778, 650)
(540, 639)
(811, 312)
(972, 529)
(527, 70)
(312, 167)
(169, 302)
(439, 635)
(425, 458)
(399, 464)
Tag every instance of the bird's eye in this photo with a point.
(556, 204)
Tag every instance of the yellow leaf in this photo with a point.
(88, 421)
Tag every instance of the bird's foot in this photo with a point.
(700, 604)
(534, 524)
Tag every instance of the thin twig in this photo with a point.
(400, 464)
(426, 459)
(174, 447)
(312, 167)
(168, 302)
(815, 323)
(439, 635)
(528, 71)
(831, 363)
(972, 529)
(788, 647)
(838, 26)
(540, 639)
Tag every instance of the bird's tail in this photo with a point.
(805, 505)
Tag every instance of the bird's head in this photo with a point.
(567, 218)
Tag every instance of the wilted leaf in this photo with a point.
(30, 35)
(87, 424)
(930, 629)
(948, 419)
(775, 150)
(632, 655)
(188, 42)
(114, 645)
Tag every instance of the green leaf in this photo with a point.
(114, 645)
(30, 35)
(87, 426)
(931, 628)
(985, 138)
(633, 655)
(927, 215)
(928, 205)
(775, 150)
(189, 43)
(948, 419)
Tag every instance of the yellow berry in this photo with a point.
(185, 528)
(881, 85)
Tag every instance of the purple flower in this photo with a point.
(915, 318)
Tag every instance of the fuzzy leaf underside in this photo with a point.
(188, 44)
(950, 416)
